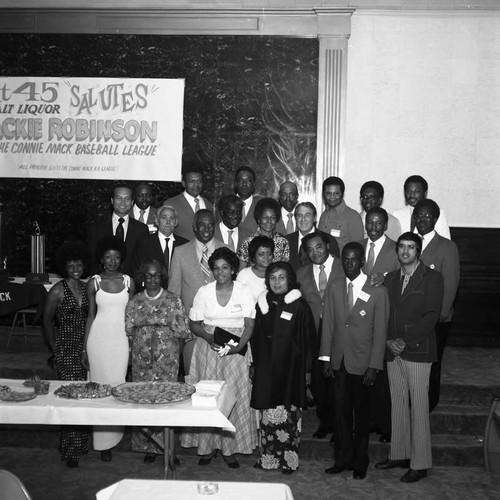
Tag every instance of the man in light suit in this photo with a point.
(305, 218)
(120, 224)
(371, 195)
(228, 230)
(288, 197)
(314, 279)
(244, 186)
(142, 209)
(352, 351)
(380, 258)
(440, 254)
(416, 297)
(415, 189)
(162, 244)
(188, 271)
(189, 201)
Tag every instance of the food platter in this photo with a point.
(153, 392)
(84, 390)
(6, 394)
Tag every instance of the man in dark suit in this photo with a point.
(228, 230)
(416, 298)
(288, 197)
(380, 259)
(352, 351)
(121, 225)
(314, 279)
(162, 244)
(188, 271)
(305, 218)
(189, 201)
(142, 209)
(244, 186)
(441, 254)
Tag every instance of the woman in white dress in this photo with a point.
(260, 252)
(106, 351)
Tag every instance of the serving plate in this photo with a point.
(153, 392)
(84, 390)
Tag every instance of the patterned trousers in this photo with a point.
(411, 433)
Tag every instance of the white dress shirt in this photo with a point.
(328, 269)
(376, 249)
(224, 232)
(284, 218)
(190, 200)
(115, 222)
(427, 239)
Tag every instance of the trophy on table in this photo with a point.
(37, 274)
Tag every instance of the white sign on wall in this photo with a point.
(91, 128)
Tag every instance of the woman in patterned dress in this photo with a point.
(106, 351)
(267, 214)
(156, 323)
(283, 334)
(228, 304)
(67, 302)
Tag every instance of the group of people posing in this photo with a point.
(337, 306)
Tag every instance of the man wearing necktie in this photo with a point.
(314, 279)
(189, 267)
(142, 209)
(440, 254)
(228, 229)
(190, 201)
(244, 187)
(380, 259)
(161, 245)
(352, 350)
(288, 197)
(121, 225)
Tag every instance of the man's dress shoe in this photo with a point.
(337, 469)
(359, 473)
(391, 464)
(413, 475)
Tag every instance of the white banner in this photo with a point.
(91, 128)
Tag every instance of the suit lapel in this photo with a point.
(414, 281)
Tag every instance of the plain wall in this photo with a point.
(423, 97)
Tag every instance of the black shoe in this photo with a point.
(391, 464)
(287, 472)
(257, 465)
(72, 464)
(385, 438)
(106, 456)
(149, 458)
(359, 473)
(412, 475)
(337, 469)
(231, 462)
(320, 433)
(205, 460)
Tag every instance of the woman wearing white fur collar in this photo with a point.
(281, 347)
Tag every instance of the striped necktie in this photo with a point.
(207, 274)
(196, 204)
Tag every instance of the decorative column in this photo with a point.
(334, 29)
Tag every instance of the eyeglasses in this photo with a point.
(367, 197)
(148, 276)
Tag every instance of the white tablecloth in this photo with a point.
(137, 489)
(51, 410)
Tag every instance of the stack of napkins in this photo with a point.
(207, 392)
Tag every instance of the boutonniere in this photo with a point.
(362, 312)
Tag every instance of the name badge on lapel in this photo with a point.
(335, 233)
(286, 315)
(236, 308)
(364, 296)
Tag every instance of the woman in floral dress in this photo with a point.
(156, 323)
(283, 334)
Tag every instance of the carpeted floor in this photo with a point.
(47, 478)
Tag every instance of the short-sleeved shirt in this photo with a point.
(206, 308)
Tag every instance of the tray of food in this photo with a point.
(153, 392)
(7, 394)
(40, 386)
(84, 390)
